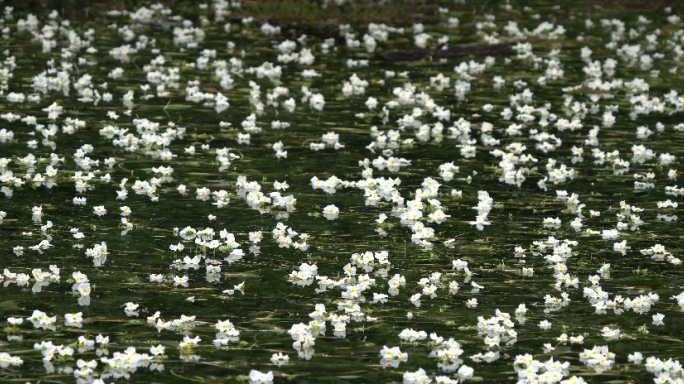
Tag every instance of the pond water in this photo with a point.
(219, 198)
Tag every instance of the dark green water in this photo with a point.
(270, 303)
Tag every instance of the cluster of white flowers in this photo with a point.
(483, 208)
(420, 121)
(391, 357)
(658, 252)
(447, 171)
(82, 287)
(42, 278)
(447, 353)
(420, 376)
(123, 364)
(530, 369)
(598, 358)
(226, 334)
(6, 360)
(305, 276)
(73, 320)
(304, 337)
(181, 324)
(552, 223)
(495, 330)
(99, 254)
(284, 237)
(41, 320)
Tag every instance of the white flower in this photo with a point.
(635, 358)
(545, 325)
(260, 377)
(157, 350)
(658, 319)
(418, 376)
(280, 359)
(472, 303)
(331, 212)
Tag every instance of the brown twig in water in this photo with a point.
(478, 14)
(136, 65)
(164, 109)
